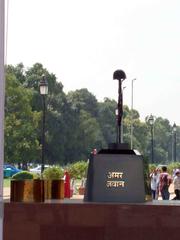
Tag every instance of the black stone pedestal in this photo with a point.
(115, 175)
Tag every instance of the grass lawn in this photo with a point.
(7, 182)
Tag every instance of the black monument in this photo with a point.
(116, 174)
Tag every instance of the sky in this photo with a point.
(84, 41)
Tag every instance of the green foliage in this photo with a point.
(6, 182)
(75, 122)
(53, 173)
(84, 132)
(107, 122)
(78, 170)
(82, 99)
(24, 175)
(146, 177)
(172, 166)
(152, 167)
(21, 123)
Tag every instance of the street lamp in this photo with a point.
(132, 93)
(120, 76)
(43, 86)
(174, 129)
(151, 122)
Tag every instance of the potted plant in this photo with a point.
(82, 175)
(54, 183)
(78, 171)
(71, 169)
(26, 188)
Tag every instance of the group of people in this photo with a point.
(160, 182)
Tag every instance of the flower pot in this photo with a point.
(54, 189)
(27, 191)
(38, 190)
(81, 190)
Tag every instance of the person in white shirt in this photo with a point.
(176, 182)
(154, 183)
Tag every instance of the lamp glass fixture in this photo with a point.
(151, 120)
(43, 87)
(174, 127)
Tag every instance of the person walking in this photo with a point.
(176, 182)
(154, 184)
(164, 183)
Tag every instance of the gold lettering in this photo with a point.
(109, 184)
(121, 183)
(115, 184)
(109, 175)
(118, 175)
(115, 175)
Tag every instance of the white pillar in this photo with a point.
(2, 89)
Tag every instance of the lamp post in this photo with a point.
(43, 86)
(132, 93)
(174, 129)
(151, 122)
(120, 76)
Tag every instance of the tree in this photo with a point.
(162, 139)
(107, 120)
(82, 99)
(21, 123)
(84, 131)
(75, 122)
(55, 105)
(18, 71)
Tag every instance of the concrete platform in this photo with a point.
(76, 220)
